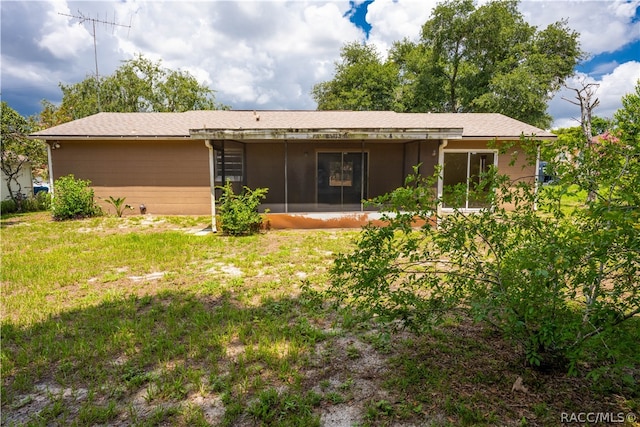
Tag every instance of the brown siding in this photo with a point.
(386, 169)
(168, 177)
(424, 153)
(172, 177)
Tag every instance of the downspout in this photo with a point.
(212, 183)
(50, 165)
(443, 144)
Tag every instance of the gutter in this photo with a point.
(111, 137)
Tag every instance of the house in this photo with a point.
(317, 165)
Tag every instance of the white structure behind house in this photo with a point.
(25, 178)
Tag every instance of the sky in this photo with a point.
(268, 54)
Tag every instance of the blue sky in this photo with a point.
(268, 54)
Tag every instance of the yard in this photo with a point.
(149, 321)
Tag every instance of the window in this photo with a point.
(462, 173)
(231, 166)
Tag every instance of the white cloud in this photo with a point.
(395, 20)
(65, 37)
(604, 26)
(256, 53)
(249, 51)
(612, 87)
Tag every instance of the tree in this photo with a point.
(139, 84)
(362, 82)
(558, 280)
(17, 150)
(627, 119)
(468, 59)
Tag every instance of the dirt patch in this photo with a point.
(226, 269)
(146, 277)
(44, 394)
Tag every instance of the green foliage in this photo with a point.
(239, 212)
(39, 202)
(118, 205)
(73, 199)
(138, 85)
(362, 82)
(468, 59)
(551, 279)
(286, 409)
(627, 119)
(17, 152)
(8, 206)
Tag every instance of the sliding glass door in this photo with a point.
(342, 180)
(462, 174)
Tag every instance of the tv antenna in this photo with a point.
(82, 18)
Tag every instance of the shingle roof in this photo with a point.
(146, 125)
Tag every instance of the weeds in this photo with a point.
(85, 343)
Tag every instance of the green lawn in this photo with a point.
(145, 321)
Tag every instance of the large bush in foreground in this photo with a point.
(239, 212)
(73, 199)
(559, 282)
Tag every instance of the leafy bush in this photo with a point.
(73, 199)
(239, 212)
(39, 202)
(8, 206)
(551, 279)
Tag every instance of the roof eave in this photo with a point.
(114, 137)
(509, 137)
(324, 134)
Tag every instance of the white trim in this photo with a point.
(212, 183)
(50, 164)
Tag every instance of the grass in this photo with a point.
(140, 321)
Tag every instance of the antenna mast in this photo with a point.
(81, 20)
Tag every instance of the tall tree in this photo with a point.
(492, 60)
(468, 59)
(139, 84)
(447, 35)
(17, 151)
(362, 81)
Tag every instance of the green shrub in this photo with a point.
(555, 281)
(73, 199)
(239, 212)
(39, 202)
(8, 206)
